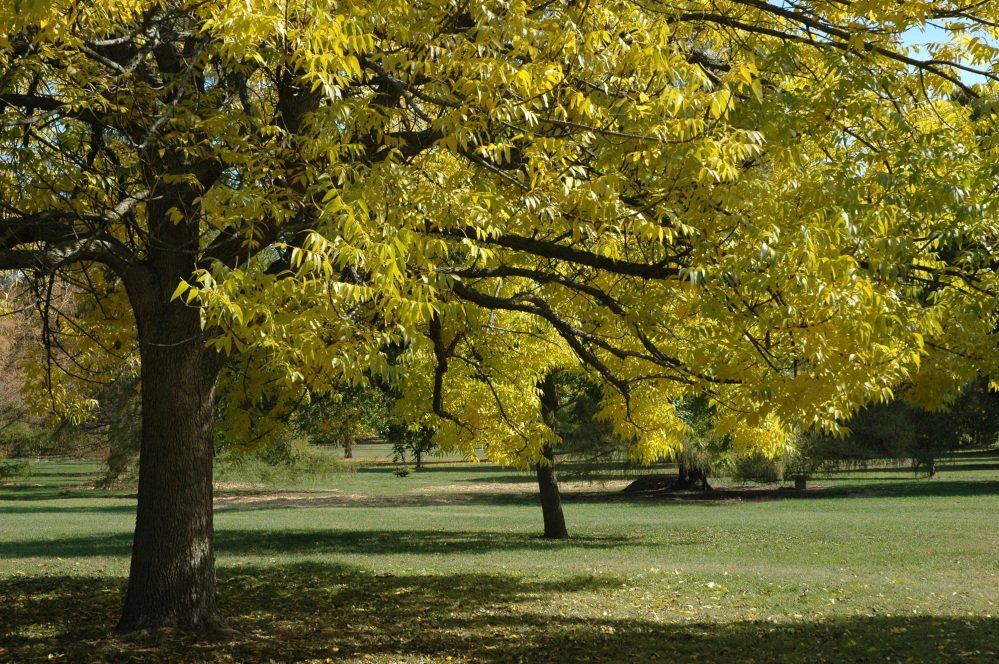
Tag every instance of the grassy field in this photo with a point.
(445, 565)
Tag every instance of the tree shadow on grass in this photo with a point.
(882, 488)
(312, 612)
(396, 542)
(945, 466)
(42, 509)
(936, 487)
(28, 493)
(319, 541)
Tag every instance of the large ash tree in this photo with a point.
(779, 206)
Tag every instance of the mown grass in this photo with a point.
(445, 564)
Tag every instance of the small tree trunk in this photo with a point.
(682, 475)
(551, 499)
(348, 449)
(690, 477)
(172, 578)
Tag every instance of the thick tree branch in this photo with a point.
(561, 252)
(51, 257)
(442, 352)
(50, 107)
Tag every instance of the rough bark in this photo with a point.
(172, 577)
(551, 499)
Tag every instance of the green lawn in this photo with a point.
(445, 565)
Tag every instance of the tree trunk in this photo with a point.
(551, 499)
(172, 578)
(690, 477)
(348, 448)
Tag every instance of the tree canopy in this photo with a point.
(784, 206)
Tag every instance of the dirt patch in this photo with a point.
(442, 494)
(235, 486)
(281, 499)
(241, 497)
(245, 495)
(480, 488)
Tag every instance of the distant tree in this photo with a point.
(703, 448)
(415, 442)
(116, 426)
(19, 332)
(975, 414)
(587, 439)
(900, 430)
(342, 415)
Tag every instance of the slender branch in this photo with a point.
(931, 66)
(541, 277)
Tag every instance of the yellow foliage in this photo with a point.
(781, 207)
